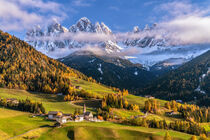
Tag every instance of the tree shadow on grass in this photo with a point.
(70, 134)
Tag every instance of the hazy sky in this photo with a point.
(16, 16)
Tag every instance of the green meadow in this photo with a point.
(20, 125)
(51, 102)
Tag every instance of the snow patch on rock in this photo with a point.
(99, 69)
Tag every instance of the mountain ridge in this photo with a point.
(184, 83)
(111, 71)
(56, 30)
(153, 50)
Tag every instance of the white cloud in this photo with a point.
(43, 6)
(94, 49)
(176, 8)
(114, 8)
(149, 3)
(81, 3)
(80, 37)
(188, 30)
(16, 15)
(188, 23)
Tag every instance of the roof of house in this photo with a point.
(78, 87)
(64, 117)
(54, 112)
(67, 114)
(88, 113)
(77, 118)
(80, 115)
(11, 99)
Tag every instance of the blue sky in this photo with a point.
(119, 15)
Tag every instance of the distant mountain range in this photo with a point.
(55, 30)
(25, 68)
(148, 56)
(151, 51)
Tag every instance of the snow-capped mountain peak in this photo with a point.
(146, 28)
(98, 28)
(136, 29)
(55, 29)
(153, 50)
(105, 29)
(83, 25)
(35, 31)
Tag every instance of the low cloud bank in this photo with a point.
(179, 31)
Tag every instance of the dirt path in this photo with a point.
(19, 136)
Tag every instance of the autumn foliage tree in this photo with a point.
(152, 106)
(117, 101)
(21, 66)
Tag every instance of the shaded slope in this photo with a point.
(110, 71)
(183, 82)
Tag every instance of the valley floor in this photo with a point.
(16, 125)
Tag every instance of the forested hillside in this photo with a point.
(21, 66)
(190, 82)
(111, 71)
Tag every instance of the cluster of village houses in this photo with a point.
(151, 97)
(64, 118)
(12, 100)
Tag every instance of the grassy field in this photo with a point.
(20, 124)
(15, 122)
(206, 126)
(96, 89)
(51, 102)
(108, 130)
(126, 113)
(140, 100)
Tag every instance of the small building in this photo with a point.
(171, 113)
(12, 100)
(149, 96)
(179, 101)
(78, 87)
(140, 116)
(79, 118)
(60, 94)
(63, 119)
(53, 114)
(88, 116)
(95, 119)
